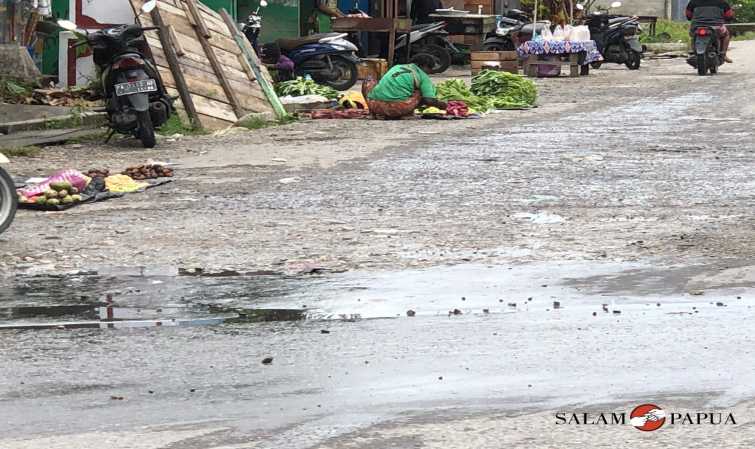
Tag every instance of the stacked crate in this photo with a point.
(506, 61)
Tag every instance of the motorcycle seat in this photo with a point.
(290, 44)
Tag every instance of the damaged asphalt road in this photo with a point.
(629, 189)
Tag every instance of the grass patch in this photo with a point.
(748, 36)
(668, 31)
(14, 91)
(30, 151)
(174, 125)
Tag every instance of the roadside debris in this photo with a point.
(267, 361)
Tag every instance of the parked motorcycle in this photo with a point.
(512, 30)
(8, 197)
(441, 38)
(424, 47)
(617, 37)
(135, 98)
(328, 58)
(706, 55)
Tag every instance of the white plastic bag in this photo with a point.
(558, 33)
(546, 34)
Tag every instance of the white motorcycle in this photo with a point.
(8, 197)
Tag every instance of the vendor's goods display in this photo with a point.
(141, 172)
(304, 86)
(491, 89)
(59, 193)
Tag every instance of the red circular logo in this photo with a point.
(647, 417)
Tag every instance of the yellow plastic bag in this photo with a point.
(353, 100)
(123, 184)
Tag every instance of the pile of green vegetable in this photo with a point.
(304, 86)
(491, 89)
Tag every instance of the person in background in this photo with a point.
(400, 91)
(421, 10)
(727, 15)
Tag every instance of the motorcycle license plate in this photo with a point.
(135, 87)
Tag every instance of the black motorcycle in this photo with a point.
(135, 98)
(617, 39)
(706, 53)
(512, 30)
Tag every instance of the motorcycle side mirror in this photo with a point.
(149, 6)
(580, 6)
(263, 3)
(67, 25)
(615, 4)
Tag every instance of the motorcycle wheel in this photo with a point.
(8, 200)
(713, 69)
(633, 63)
(344, 74)
(702, 68)
(441, 57)
(146, 130)
(596, 65)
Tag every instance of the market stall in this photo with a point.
(476, 26)
(541, 57)
(390, 22)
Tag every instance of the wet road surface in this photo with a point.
(633, 217)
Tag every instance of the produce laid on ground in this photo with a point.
(491, 89)
(304, 86)
(68, 188)
(59, 193)
(98, 173)
(141, 172)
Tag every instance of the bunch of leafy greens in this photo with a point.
(304, 86)
(508, 90)
(491, 90)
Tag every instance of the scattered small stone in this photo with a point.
(605, 307)
(595, 314)
(485, 310)
(529, 385)
(324, 331)
(192, 390)
(739, 297)
(512, 304)
(658, 304)
(411, 313)
(440, 377)
(116, 398)
(150, 392)
(455, 312)
(267, 360)
(529, 299)
(500, 300)
(556, 304)
(696, 292)
(366, 362)
(720, 304)
(463, 298)
(617, 312)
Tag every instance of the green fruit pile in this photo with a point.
(59, 193)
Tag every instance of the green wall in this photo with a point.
(228, 5)
(280, 19)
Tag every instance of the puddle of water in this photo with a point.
(457, 290)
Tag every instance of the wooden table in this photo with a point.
(392, 26)
(468, 25)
